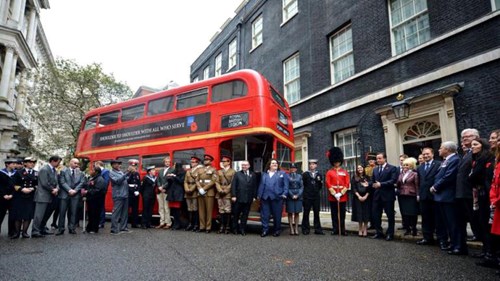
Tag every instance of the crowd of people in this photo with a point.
(462, 188)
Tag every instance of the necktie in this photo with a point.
(426, 167)
(380, 169)
(73, 173)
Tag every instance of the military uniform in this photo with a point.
(6, 190)
(134, 183)
(23, 206)
(223, 186)
(191, 195)
(205, 180)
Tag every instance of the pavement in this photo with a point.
(352, 227)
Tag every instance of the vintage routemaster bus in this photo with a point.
(238, 114)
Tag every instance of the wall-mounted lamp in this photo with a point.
(401, 108)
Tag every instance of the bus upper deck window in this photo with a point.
(230, 90)
(109, 118)
(160, 106)
(277, 97)
(192, 99)
(132, 113)
(90, 122)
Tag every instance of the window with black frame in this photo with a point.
(159, 106)
(154, 160)
(192, 99)
(132, 113)
(109, 118)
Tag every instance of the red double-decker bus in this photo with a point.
(238, 114)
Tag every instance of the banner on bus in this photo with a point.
(161, 129)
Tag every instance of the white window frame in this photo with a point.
(218, 65)
(495, 5)
(288, 82)
(206, 73)
(290, 9)
(350, 160)
(408, 21)
(257, 30)
(341, 40)
(232, 53)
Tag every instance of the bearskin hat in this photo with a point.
(371, 156)
(335, 155)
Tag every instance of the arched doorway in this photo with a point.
(420, 134)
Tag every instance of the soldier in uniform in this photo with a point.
(313, 183)
(134, 183)
(223, 186)
(191, 194)
(372, 157)
(6, 189)
(337, 183)
(23, 207)
(205, 182)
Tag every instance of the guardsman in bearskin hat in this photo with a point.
(191, 193)
(223, 186)
(338, 183)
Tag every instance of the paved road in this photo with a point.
(179, 255)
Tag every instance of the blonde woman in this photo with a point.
(407, 186)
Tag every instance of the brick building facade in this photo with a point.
(343, 67)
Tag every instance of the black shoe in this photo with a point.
(344, 233)
(489, 263)
(15, 236)
(189, 227)
(276, 234)
(334, 233)
(305, 232)
(47, 233)
(389, 238)
(135, 226)
(457, 252)
(60, 232)
(444, 247)
(37, 235)
(196, 229)
(478, 255)
(401, 228)
(319, 232)
(378, 236)
(72, 231)
(25, 235)
(407, 232)
(263, 234)
(371, 227)
(472, 239)
(425, 242)
(243, 233)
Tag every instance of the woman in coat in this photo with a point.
(175, 195)
(495, 205)
(407, 187)
(362, 207)
(480, 177)
(147, 191)
(294, 199)
(95, 192)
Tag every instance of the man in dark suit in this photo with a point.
(382, 182)
(71, 182)
(6, 191)
(430, 220)
(47, 189)
(243, 192)
(444, 189)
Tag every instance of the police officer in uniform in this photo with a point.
(23, 206)
(191, 194)
(6, 189)
(313, 183)
(134, 184)
(223, 186)
(205, 182)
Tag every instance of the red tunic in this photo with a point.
(335, 178)
(495, 199)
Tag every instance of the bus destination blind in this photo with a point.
(150, 131)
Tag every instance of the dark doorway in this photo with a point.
(415, 148)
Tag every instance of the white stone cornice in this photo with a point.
(14, 37)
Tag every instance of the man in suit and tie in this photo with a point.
(382, 182)
(163, 184)
(430, 221)
(47, 189)
(71, 181)
(444, 189)
(243, 192)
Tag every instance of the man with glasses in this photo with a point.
(71, 181)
